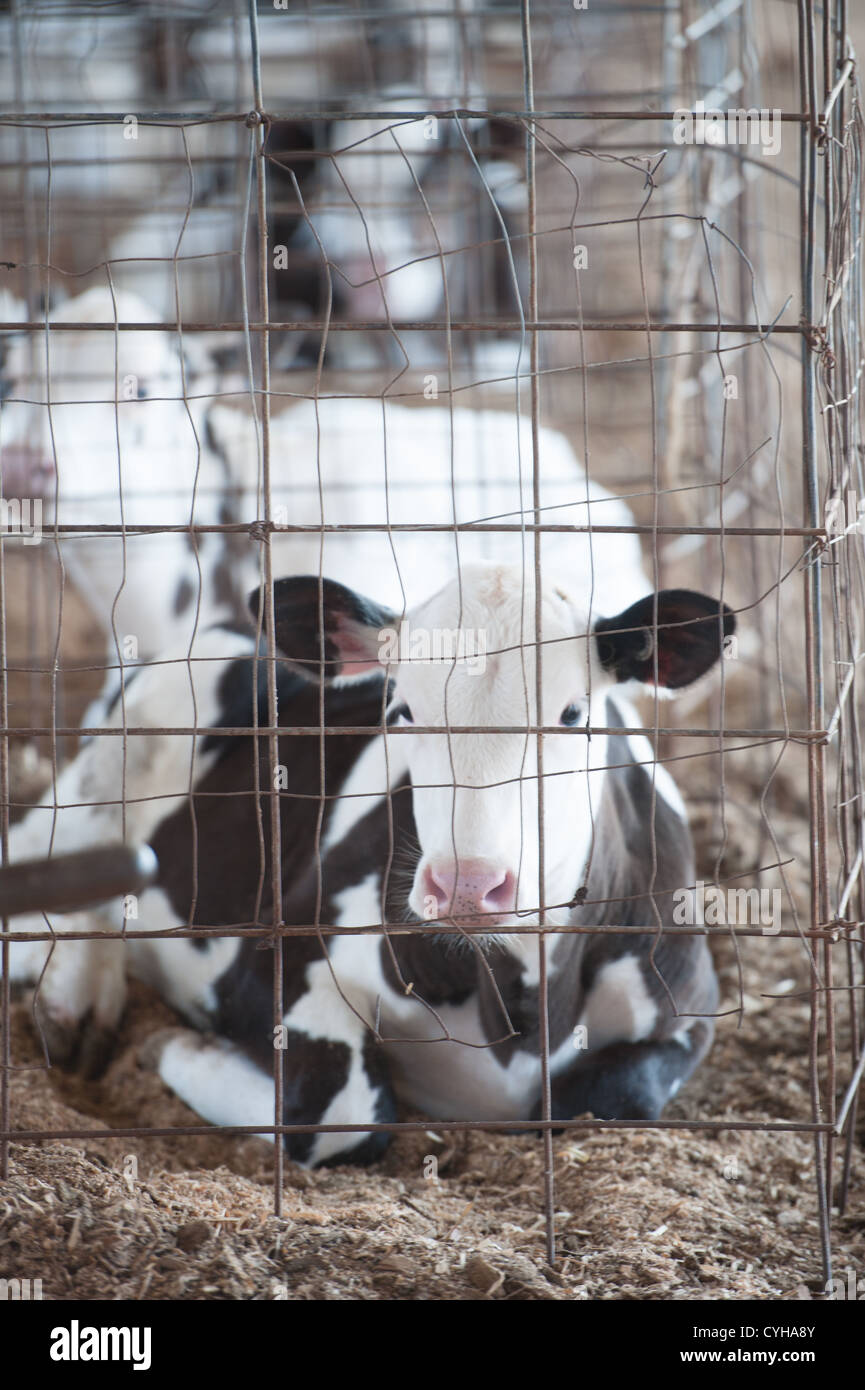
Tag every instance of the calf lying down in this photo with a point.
(429, 834)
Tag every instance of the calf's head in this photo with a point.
(463, 667)
(110, 394)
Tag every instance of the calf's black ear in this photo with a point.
(345, 643)
(685, 643)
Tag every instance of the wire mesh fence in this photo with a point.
(335, 298)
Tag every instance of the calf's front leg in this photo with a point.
(325, 1082)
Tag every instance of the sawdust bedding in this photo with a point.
(648, 1215)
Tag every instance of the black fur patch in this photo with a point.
(686, 643)
(351, 624)
(628, 1081)
(183, 596)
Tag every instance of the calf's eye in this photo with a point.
(570, 715)
(403, 712)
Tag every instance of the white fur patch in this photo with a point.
(183, 973)
(366, 783)
(360, 905)
(463, 1078)
(665, 787)
(117, 456)
(619, 1007)
(438, 465)
(217, 1081)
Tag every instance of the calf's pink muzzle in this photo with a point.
(477, 892)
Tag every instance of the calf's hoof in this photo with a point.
(78, 1004)
(82, 1045)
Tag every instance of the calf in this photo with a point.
(98, 425)
(420, 827)
(403, 221)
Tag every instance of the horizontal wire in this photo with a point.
(409, 1127)
(184, 119)
(261, 529)
(405, 325)
(355, 730)
(266, 931)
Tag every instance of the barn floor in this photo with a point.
(640, 1215)
(652, 1215)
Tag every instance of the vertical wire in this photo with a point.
(813, 643)
(5, 984)
(852, 762)
(749, 208)
(543, 986)
(28, 228)
(829, 214)
(257, 119)
(58, 547)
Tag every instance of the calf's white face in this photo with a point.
(115, 416)
(475, 795)
(467, 659)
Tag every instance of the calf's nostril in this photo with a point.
(500, 897)
(436, 885)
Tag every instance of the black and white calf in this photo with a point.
(421, 825)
